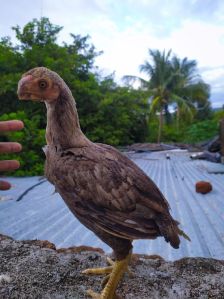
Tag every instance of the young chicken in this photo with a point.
(105, 190)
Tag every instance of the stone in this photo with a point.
(31, 270)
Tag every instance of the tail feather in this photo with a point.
(182, 233)
(170, 231)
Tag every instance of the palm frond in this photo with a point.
(130, 80)
(184, 104)
(155, 104)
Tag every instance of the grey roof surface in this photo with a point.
(41, 214)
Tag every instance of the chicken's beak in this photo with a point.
(22, 92)
(24, 89)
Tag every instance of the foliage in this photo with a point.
(153, 125)
(37, 33)
(201, 131)
(204, 130)
(187, 132)
(172, 81)
(108, 113)
(121, 116)
(218, 115)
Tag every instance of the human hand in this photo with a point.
(9, 147)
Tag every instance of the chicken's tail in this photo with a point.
(183, 234)
(170, 231)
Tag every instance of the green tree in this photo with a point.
(38, 32)
(108, 113)
(161, 76)
(121, 118)
(37, 47)
(189, 91)
(171, 81)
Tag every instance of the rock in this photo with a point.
(4, 278)
(203, 187)
(30, 270)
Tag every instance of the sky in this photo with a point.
(125, 29)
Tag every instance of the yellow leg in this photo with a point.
(98, 271)
(117, 271)
(111, 262)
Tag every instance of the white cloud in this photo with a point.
(127, 49)
(125, 30)
(199, 40)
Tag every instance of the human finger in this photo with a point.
(7, 165)
(11, 125)
(10, 147)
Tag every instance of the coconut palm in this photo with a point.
(171, 80)
(158, 85)
(188, 90)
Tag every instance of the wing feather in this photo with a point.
(115, 193)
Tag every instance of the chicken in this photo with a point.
(105, 190)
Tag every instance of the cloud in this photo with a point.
(214, 74)
(14, 13)
(217, 99)
(127, 49)
(199, 40)
(125, 30)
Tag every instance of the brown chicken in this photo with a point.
(106, 191)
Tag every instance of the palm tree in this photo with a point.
(160, 74)
(161, 77)
(171, 80)
(188, 89)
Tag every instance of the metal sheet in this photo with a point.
(43, 215)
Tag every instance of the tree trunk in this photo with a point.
(221, 133)
(160, 125)
(167, 114)
(178, 118)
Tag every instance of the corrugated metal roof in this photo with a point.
(43, 215)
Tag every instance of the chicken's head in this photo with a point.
(40, 84)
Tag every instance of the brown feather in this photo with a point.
(105, 190)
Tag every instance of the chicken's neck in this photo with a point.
(63, 127)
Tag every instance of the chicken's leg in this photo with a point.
(117, 270)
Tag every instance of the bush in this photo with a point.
(201, 131)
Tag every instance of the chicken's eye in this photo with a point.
(42, 84)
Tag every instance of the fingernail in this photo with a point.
(17, 147)
(19, 123)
